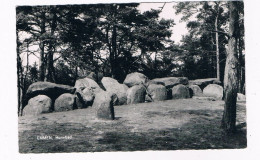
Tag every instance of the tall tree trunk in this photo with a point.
(217, 48)
(113, 54)
(41, 46)
(49, 74)
(230, 79)
(241, 79)
(19, 75)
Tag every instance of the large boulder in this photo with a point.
(202, 83)
(85, 96)
(180, 92)
(112, 85)
(65, 102)
(135, 78)
(196, 91)
(169, 82)
(38, 105)
(86, 82)
(157, 92)
(104, 105)
(213, 90)
(49, 89)
(241, 97)
(136, 94)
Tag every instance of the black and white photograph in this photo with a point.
(131, 77)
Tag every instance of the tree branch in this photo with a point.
(221, 32)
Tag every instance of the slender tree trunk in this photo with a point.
(41, 46)
(230, 79)
(241, 79)
(19, 75)
(217, 48)
(113, 53)
(49, 75)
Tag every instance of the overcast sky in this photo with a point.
(168, 12)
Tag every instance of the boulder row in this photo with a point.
(49, 89)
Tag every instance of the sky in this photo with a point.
(168, 12)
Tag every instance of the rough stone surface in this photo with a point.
(136, 94)
(81, 84)
(104, 105)
(65, 102)
(85, 96)
(49, 89)
(135, 79)
(157, 92)
(213, 90)
(169, 82)
(202, 83)
(196, 91)
(241, 97)
(111, 85)
(38, 105)
(180, 92)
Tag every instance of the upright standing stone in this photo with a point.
(104, 105)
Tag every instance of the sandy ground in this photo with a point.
(167, 125)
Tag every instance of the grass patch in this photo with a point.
(170, 125)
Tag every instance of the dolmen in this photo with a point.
(46, 97)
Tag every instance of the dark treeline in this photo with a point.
(113, 40)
